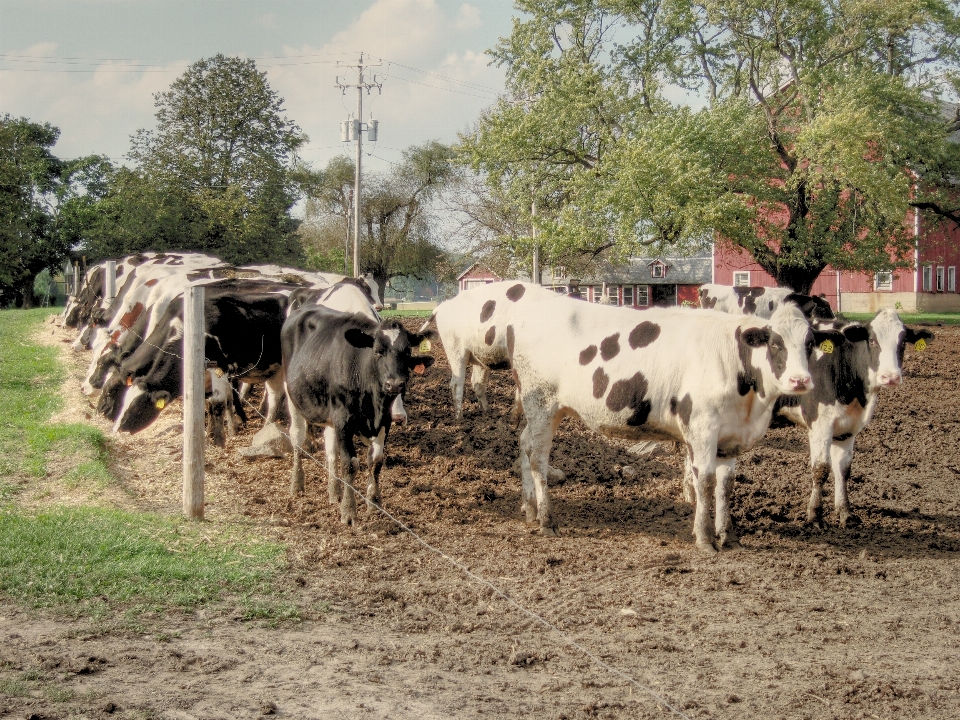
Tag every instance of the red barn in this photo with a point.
(476, 275)
(930, 287)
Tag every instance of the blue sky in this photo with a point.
(91, 67)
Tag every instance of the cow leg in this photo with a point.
(350, 465)
(819, 438)
(841, 455)
(458, 374)
(689, 489)
(376, 465)
(726, 534)
(479, 375)
(516, 412)
(298, 433)
(536, 441)
(274, 396)
(330, 450)
(703, 464)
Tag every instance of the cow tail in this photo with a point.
(423, 328)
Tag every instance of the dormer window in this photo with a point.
(658, 269)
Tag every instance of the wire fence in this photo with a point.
(563, 638)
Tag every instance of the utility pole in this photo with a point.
(536, 246)
(351, 130)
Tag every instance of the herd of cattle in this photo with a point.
(712, 379)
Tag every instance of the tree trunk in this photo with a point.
(800, 280)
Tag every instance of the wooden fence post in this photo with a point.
(110, 286)
(193, 431)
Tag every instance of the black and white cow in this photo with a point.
(242, 328)
(847, 381)
(705, 378)
(760, 301)
(343, 372)
(471, 340)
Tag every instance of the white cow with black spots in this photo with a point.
(470, 340)
(847, 380)
(760, 301)
(705, 378)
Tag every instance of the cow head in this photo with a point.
(150, 389)
(393, 358)
(111, 397)
(888, 338)
(775, 356)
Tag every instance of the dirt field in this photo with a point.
(862, 623)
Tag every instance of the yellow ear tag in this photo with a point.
(129, 380)
(218, 372)
(920, 345)
(827, 346)
(161, 404)
(425, 346)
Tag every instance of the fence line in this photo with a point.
(566, 639)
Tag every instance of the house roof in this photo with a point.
(475, 266)
(692, 270)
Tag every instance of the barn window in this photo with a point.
(628, 295)
(658, 270)
(951, 279)
(741, 279)
(884, 280)
(927, 278)
(939, 279)
(597, 293)
(643, 295)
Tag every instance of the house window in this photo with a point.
(741, 279)
(927, 278)
(951, 279)
(939, 279)
(643, 295)
(658, 270)
(597, 293)
(628, 295)
(614, 291)
(883, 280)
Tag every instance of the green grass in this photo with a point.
(406, 313)
(945, 318)
(97, 560)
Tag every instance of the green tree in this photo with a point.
(215, 173)
(399, 215)
(29, 180)
(822, 124)
(325, 232)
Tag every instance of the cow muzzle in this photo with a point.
(890, 379)
(800, 383)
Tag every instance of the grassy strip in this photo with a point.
(94, 558)
(406, 313)
(945, 318)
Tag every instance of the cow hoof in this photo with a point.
(706, 547)
(548, 531)
(349, 520)
(733, 545)
(556, 475)
(530, 511)
(849, 520)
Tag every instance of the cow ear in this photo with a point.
(914, 335)
(358, 338)
(821, 336)
(756, 337)
(856, 333)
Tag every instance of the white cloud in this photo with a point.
(468, 17)
(434, 84)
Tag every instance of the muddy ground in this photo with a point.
(620, 616)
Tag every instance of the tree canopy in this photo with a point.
(819, 124)
(215, 174)
(399, 223)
